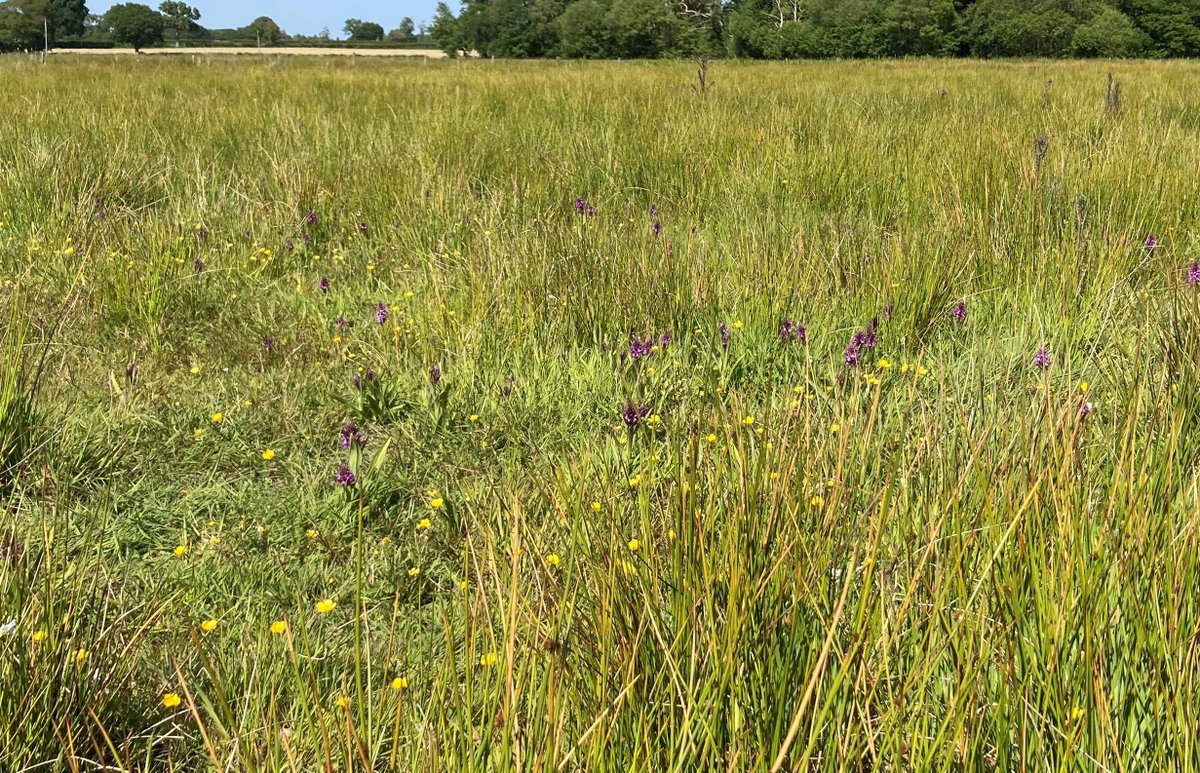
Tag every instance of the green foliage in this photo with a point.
(780, 29)
(404, 32)
(357, 29)
(1109, 34)
(265, 31)
(1173, 26)
(583, 31)
(644, 29)
(181, 17)
(25, 23)
(446, 31)
(134, 24)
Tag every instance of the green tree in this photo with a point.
(181, 17)
(1172, 26)
(24, 24)
(265, 31)
(405, 32)
(136, 24)
(1025, 27)
(582, 31)
(446, 31)
(919, 28)
(358, 30)
(1110, 34)
(644, 29)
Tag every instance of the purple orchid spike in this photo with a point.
(343, 476)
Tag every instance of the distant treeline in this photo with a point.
(795, 29)
(34, 24)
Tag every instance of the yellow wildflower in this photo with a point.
(399, 683)
(208, 626)
(278, 627)
(170, 700)
(325, 606)
(268, 455)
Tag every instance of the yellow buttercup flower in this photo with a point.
(634, 481)
(217, 418)
(1076, 713)
(399, 683)
(816, 501)
(633, 545)
(835, 427)
(749, 420)
(413, 571)
(310, 533)
(170, 700)
(198, 432)
(325, 606)
(38, 636)
(342, 701)
(436, 502)
(423, 524)
(208, 626)
(1083, 387)
(279, 627)
(488, 659)
(179, 550)
(710, 437)
(596, 507)
(268, 455)
(553, 559)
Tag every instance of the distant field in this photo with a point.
(314, 51)
(556, 416)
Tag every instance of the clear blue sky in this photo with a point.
(300, 17)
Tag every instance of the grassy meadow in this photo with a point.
(448, 416)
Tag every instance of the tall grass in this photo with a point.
(940, 557)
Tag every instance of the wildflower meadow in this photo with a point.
(558, 416)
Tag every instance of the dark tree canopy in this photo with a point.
(265, 30)
(357, 29)
(780, 29)
(25, 23)
(135, 24)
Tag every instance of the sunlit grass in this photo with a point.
(335, 433)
